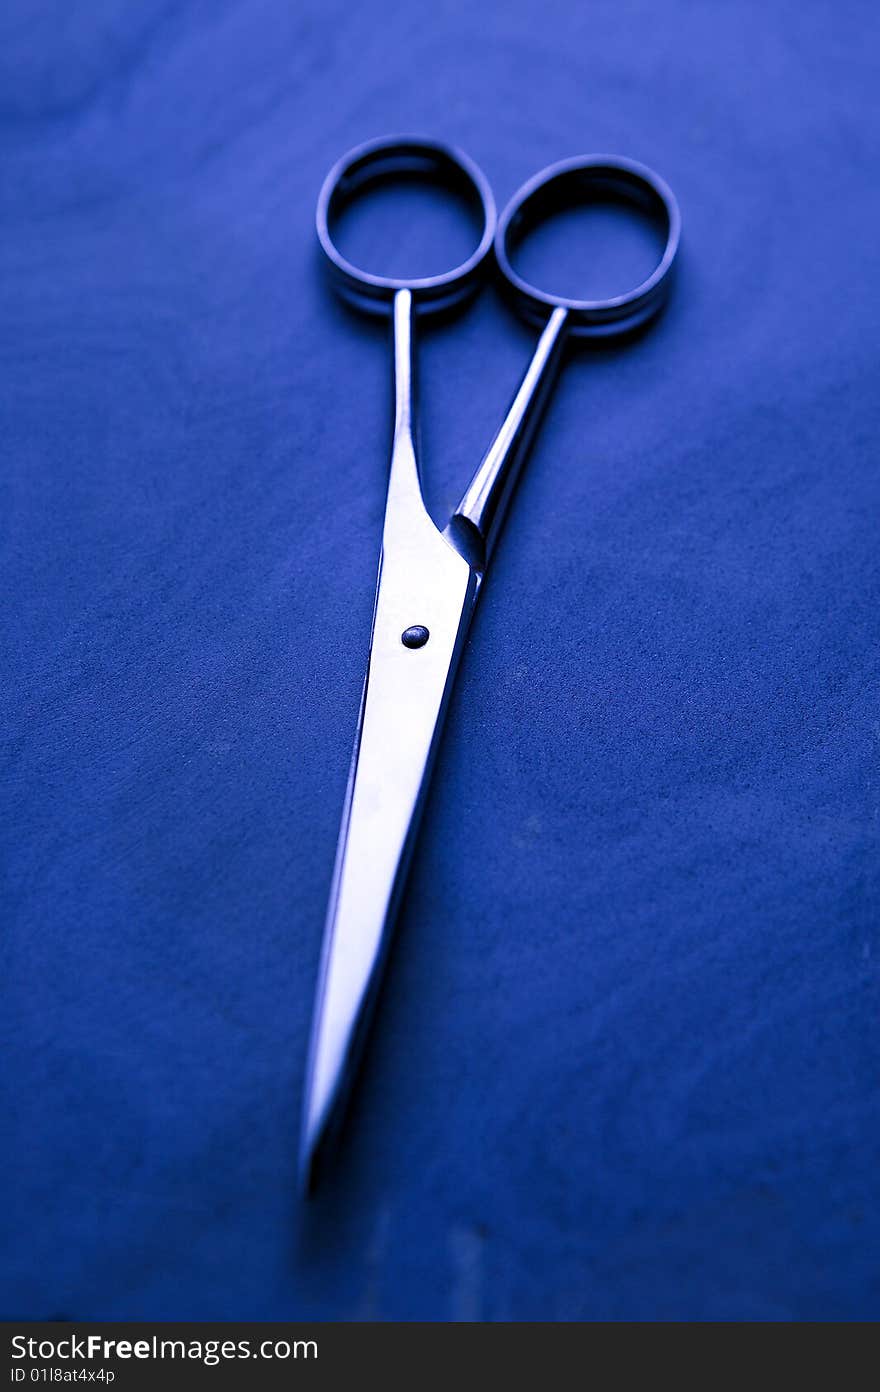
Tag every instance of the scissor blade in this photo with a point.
(424, 584)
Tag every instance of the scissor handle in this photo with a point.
(476, 521)
(568, 183)
(384, 159)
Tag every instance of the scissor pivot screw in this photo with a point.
(415, 637)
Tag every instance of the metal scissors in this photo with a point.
(429, 579)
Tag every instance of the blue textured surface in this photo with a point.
(627, 1057)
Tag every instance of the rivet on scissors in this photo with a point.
(415, 637)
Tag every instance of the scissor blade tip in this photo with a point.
(308, 1175)
(311, 1157)
(307, 1169)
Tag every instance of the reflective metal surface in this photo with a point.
(424, 583)
(378, 161)
(428, 580)
(576, 181)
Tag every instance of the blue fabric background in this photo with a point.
(626, 1063)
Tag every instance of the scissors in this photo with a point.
(429, 579)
